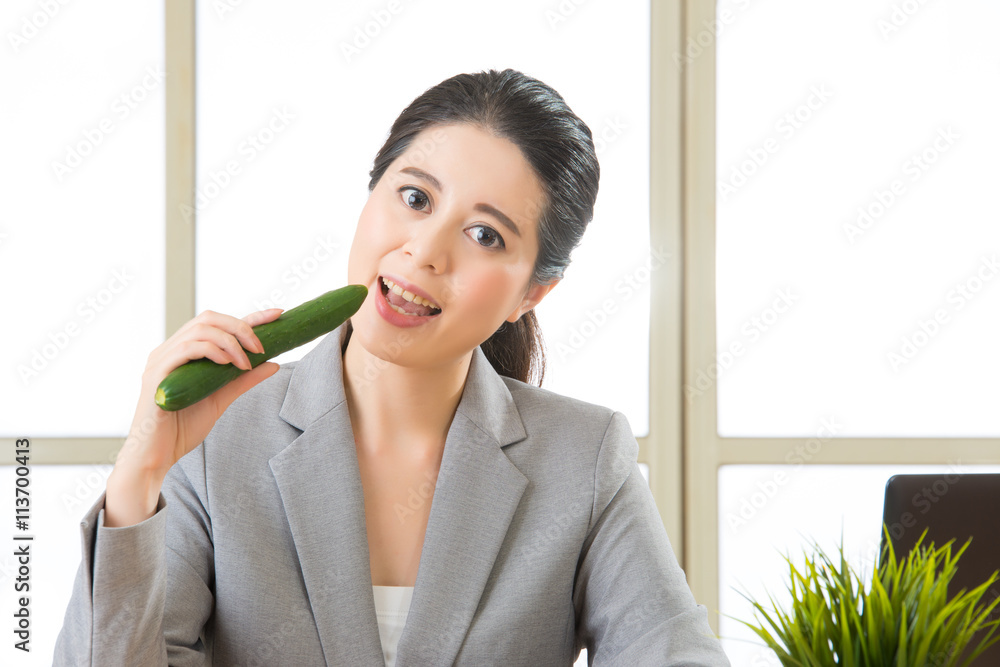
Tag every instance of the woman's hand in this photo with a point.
(158, 439)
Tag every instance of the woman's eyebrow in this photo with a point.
(482, 208)
(420, 173)
(499, 215)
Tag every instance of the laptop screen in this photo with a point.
(956, 507)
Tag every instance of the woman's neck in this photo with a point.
(399, 409)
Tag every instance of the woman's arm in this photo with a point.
(136, 600)
(633, 603)
(118, 612)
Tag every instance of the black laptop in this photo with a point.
(950, 506)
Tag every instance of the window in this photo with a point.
(81, 237)
(842, 265)
(856, 254)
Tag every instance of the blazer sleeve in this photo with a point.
(136, 600)
(632, 600)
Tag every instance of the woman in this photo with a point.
(400, 495)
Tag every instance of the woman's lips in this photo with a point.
(394, 314)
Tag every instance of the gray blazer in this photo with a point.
(542, 538)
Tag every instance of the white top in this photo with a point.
(392, 603)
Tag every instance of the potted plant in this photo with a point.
(906, 616)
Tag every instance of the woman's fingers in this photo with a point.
(241, 328)
(222, 338)
(262, 316)
(220, 348)
(246, 334)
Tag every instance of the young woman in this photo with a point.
(401, 495)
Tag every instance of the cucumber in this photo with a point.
(198, 378)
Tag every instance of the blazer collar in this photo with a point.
(317, 386)
(476, 494)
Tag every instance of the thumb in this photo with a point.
(244, 383)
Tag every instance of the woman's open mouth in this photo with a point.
(405, 302)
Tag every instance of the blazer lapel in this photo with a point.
(320, 486)
(475, 497)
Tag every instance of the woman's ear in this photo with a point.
(535, 294)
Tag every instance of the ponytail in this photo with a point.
(516, 350)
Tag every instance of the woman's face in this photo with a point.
(454, 220)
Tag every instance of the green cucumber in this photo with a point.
(198, 378)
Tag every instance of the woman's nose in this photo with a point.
(429, 244)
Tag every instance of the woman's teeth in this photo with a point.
(409, 296)
(401, 311)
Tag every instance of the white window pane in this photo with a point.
(81, 216)
(277, 230)
(60, 495)
(768, 511)
(857, 244)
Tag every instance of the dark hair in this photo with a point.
(560, 149)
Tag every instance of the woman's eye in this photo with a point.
(486, 236)
(415, 199)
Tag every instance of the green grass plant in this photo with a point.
(905, 618)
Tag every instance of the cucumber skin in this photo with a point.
(193, 381)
